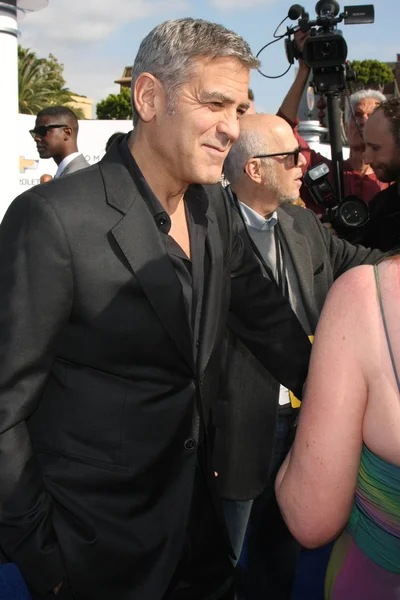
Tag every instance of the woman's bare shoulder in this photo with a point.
(351, 290)
(358, 283)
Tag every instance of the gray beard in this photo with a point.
(285, 200)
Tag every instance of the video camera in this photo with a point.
(325, 51)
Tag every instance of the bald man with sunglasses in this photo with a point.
(55, 134)
(264, 168)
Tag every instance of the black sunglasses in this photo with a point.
(295, 153)
(42, 130)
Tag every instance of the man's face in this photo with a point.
(192, 143)
(362, 111)
(280, 176)
(53, 142)
(381, 150)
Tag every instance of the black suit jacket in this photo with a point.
(248, 392)
(100, 396)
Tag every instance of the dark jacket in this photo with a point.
(248, 392)
(100, 397)
(383, 228)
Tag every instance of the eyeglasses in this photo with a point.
(42, 130)
(295, 153)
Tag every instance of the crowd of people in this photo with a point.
(160, 415)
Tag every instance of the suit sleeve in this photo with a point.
(343, 254)
(35, 302)
(263, 319)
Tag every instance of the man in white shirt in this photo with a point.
(55, 134)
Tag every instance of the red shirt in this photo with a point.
(364, 186)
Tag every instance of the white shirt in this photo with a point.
(253, 219)
(65, 162)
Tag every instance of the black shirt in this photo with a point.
(383, 229)
(190, 272)
(204, 571)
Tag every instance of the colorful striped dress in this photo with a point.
(365, 560)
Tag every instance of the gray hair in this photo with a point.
(248, 144)
(169, 50)
(361, 95)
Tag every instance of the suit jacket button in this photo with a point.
(190, 444)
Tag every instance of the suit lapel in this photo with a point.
(301, 258)
(138, 238)
(213, 290)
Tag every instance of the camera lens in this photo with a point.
(326, 49)
(353, 212)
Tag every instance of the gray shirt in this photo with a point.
(263, 232)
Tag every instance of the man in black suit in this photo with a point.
(264, 167)
(56, 136)
(115, 289)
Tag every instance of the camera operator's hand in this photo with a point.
(299, 39)
(290, 104)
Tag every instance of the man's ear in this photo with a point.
(253, 169)
(67, 133)
(144, 96)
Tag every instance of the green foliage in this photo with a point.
(115, 106)
(370, 74)
(41, 83)
(53, 71)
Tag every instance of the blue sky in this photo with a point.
(95, 39)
